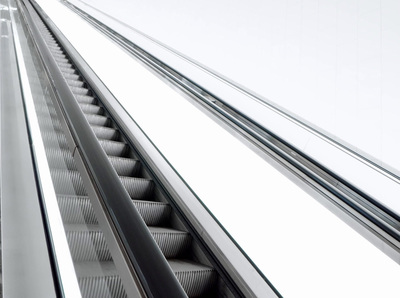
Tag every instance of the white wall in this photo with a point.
(333, 63)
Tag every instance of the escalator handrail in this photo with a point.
(157, 278)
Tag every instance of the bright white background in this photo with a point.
(315, 255)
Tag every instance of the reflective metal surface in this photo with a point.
(25, 258)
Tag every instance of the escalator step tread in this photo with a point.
(76, 209)
(82, 227)
(64, 64)
(60, 158)
(122, 165)
(88, 108)
(137, 188)
(106, 133)
(173, 243)
(54, 48)
(97, 119)
(61, 59)
(114, 148)
(85, 98)
(63, 55)
(67, 70)
(72, 76)
(99, 280)
(196, 279)
(87, 243)
(93, 269)
(75, 83)
(68, 182)
(79, 90)
(52, 142)
(153, 213)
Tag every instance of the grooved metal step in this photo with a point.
(173, 243)
(137, 188)
(106, 133)
(76, 209)
(54, 143)
(68, 182)
(99, 280)
(114, 148)
(79, 90)
(67, 70)
(195, 278)
(60, 159)
(61, 59)
(64, 64)
(97, 119)
(72, 76)
(153, 213)
(91, 109)
(124, 166)
(85, 99)
(87, 243)
(74, 82)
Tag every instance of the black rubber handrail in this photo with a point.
(156, 276)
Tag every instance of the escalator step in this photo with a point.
(72, 76)
(80, 90)
(60, 159)
(105, 133)
(91, 109)
(99, 280)
(153, 213)
(58, 55)
(138, 188)
(97, 119)
(64, 64)
(85, 99)
(76, 209)
(87, 243)
(196, 279)
(54, 47)
(53, 142)
(173, 243)
(44, 111)
(124, 166)
(67, 70)
(68, 182)
(49, 126)
(61, 59)
(114, 148)
(55, 50)
(75, 83)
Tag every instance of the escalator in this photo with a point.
(191, 262)
(176, 244)
(128, 219)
